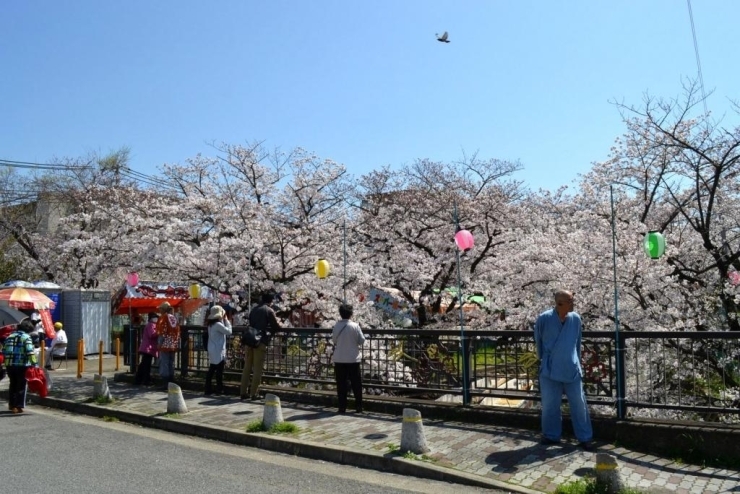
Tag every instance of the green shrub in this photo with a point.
(281, 428)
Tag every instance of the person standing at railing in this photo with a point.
(348, 339)
(168, 336)
(264, 320)
(557, 335)
(218, 328)
(147, 350)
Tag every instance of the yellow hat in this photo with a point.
(58, 325)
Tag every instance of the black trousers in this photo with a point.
(348, 374)
(217, 369)
(144, 372)
(17, 387)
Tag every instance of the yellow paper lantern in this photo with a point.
(194, 290)
(322, 268)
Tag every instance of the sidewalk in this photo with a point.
(491, 456)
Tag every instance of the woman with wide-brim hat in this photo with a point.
(219, 328)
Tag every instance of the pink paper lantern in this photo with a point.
(734, 277)
(464, 240)
(132, 278)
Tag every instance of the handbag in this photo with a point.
(251, 337)
(36, 380)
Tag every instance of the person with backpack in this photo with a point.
(19, 355)
(262, 323)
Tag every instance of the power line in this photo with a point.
(696, 53)
(151, 180)
(40, 166)
(124, 171)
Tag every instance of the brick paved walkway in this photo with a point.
(488, 452)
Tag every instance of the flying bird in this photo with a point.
(442, 38)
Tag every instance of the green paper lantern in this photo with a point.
(654, 244)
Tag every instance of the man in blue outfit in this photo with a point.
(557, 334)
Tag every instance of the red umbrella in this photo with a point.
(26, 298)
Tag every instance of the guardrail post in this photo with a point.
(118, 353)
(80, 357)
(132, 349)
(184, 350)
(100, 357)
(620, 350)
(465, 342)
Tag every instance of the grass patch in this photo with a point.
(590, 486)
(171, 415)
(106, 418)
(256, 426)
(285, 428)
(409, 455)
(100, 400)
(395, 449)
(281, 428)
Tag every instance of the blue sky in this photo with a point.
(363, 83)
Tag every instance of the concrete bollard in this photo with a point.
(100, 387)
(412, 433)
(272, 414)
(175, 401)
(607, 473)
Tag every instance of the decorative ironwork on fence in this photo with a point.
(690, 373)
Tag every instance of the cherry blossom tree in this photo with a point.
(685, 171)
(406, 228)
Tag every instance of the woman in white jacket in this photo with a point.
(218, 327)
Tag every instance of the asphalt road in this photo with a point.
(46, 451)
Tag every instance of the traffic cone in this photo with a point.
(412, 433)
(272, 414)
(175, 401)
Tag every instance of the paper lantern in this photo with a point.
(322, 268)
(734, 277)
(464, 240)
(654, 244)
(132, 278)
(194, 290)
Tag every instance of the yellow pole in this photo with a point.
(80, 357)
(100, 358)
(42, 354)
(118, 352)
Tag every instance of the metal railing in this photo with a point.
(689, 373)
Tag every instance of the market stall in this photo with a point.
(144, 297)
